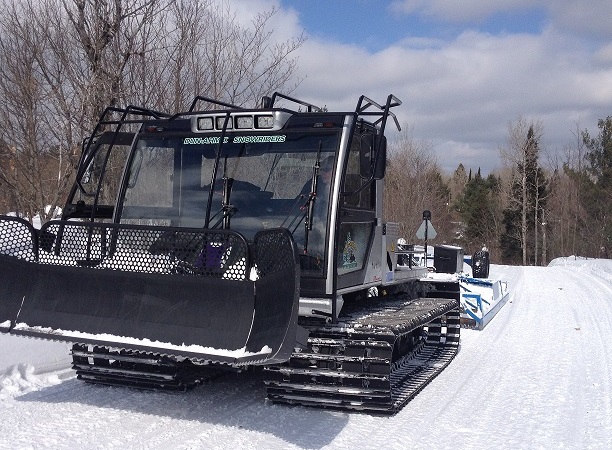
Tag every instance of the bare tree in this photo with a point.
(413, 184)
(64, 61)
(207, 52)
(108, 34)
(574, 230)
(28, 126)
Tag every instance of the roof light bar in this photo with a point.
(221, 121)
(264, 121)
(270, 121)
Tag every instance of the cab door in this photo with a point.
(357, 216)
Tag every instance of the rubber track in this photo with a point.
(100, 365)
(329, 374)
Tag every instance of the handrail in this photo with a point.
(309, 106)
(212, 101)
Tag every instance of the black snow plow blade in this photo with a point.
(206, 295)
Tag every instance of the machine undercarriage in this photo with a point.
(377, 358)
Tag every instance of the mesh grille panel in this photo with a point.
(273, 251)
(148, 249)
(17, 238)
(134, 248)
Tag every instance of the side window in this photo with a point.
(353, 181)
(105, 174)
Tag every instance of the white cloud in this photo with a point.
(460, 94)
(590, 18)
(604, 54)
(284, 23)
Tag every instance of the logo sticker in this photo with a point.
(349, 261)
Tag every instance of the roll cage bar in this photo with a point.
(116, 120)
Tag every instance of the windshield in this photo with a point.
(266, 180)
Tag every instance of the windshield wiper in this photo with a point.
(227, 209)
(309, 205)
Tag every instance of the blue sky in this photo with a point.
(464, 69)
(377, 25)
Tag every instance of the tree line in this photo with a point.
(528, 212)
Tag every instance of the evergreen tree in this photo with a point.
(457, 183)
(597, 188)
(477, 208)
(509, 243)
(523, 216)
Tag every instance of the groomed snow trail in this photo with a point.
(539, 376)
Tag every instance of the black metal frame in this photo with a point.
(365, 108)
(269, 102)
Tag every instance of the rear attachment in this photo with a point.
(377, 359)
(481, 300)
(206, 295)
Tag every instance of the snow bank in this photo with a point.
(600, 268)
(21, 378)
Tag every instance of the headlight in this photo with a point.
(244, 122)
(265, 121)
(221, 121)
(205, 123)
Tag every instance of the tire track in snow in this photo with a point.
(229, 397)
(521, 360)
(220, 414)
(458, 403)
(594, 322)
(470, 363)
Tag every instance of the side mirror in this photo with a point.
(366, 155)
(372, 157)
(380, 164)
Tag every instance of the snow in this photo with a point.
(242, 352)
(538, 376)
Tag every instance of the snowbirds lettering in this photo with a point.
(188, 247)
